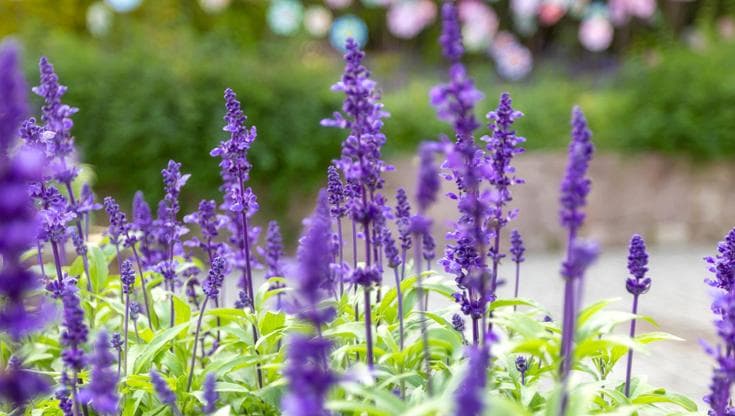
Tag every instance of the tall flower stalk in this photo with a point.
(336, 192)
(59, 144)
(73, 338)
(517, 250)
(170, 228)
(239, 202)
(21, 312)
(722, 266)
(127, 278)
(574, 190)
(211, 287)
(102, 389)
(362, 167)
(306, 364)
(636, 285)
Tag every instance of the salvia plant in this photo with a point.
(162, 312)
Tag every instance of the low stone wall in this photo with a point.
(670, 201)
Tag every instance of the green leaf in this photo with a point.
(157, 343)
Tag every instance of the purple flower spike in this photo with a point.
(455, 101)
(314, 274)
(274, 251)
(18, 386)
(723, 264)
(309, 378)
(74, 334)
(163, 391)
(517, 249)
(576, 185)
(470, 393)
(102, 390)
(636, 285)
(637, 261)
(215, 277)
(428, 182)
(13, 100)
(127, 276)
(210, 394)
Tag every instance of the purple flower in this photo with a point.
(469, 395)
(455, 101)
(576, 185)
(403, 220)
(20, 312)
(273, 251)
(18, 385)
(313, 276)
(428, 182)
(209, 223)
(127, 276)
(517, 249)
(451, 36)
(582, 255)
(74, 333)
(362, 116)
(102, 389)
(458, 322)
(119, 226)
(392, 255)
(637, 261)
(210, 394)
(215, 277)
(55, 114)
(164, 393)
(309, 379)
(13, 100)
(336, 192)
(723, 264)
(240, 202)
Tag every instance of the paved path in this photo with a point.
(678, 300)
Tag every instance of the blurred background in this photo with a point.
(654, 77)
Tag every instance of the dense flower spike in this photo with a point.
(215, 277)
(273, 252)
(20, 312)
(210, 394)
(636, 285)
(455, 101)
(723, 264)
(127, 276)
(239, 202)
(75, 332)
(312, 278)
(428, 182)
(18, 386)
(163, 391)
(517, 250)
(576, 185)
(102, 389)
(503, 144)
(210, 224)
(469, 397)
(522, 367)
(309, 378)
(723, 375)
(13, 101)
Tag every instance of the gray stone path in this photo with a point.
(678, 300)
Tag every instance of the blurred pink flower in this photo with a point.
(480, 23)
(513, 61)
(551, 11)
(726, 27)
(409, 17)
(622, 10)
(596, 33)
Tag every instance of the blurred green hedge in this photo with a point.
(145, 100)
